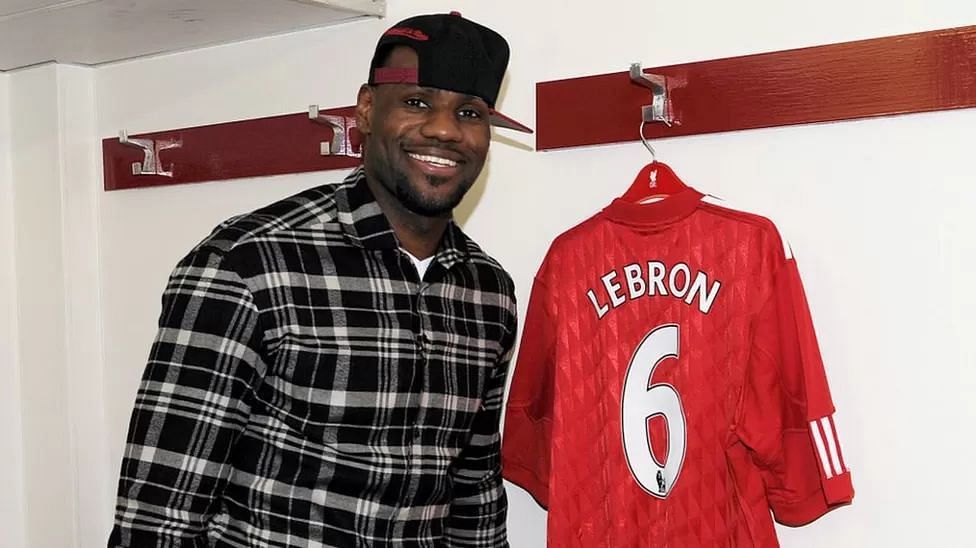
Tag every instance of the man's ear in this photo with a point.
(364, 107)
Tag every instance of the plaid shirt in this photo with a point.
(307, 388)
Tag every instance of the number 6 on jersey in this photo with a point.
(641, 402)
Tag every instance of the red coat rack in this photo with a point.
(920, 72)
(291, 143)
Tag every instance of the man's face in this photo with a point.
(426, 146)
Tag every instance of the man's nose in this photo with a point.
(442, 124)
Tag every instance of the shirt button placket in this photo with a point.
(423, 345)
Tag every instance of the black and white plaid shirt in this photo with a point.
(307, 388)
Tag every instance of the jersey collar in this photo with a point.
(671, 209)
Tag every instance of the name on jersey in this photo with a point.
(653, 279)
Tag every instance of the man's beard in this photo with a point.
(414, 202)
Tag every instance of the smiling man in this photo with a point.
(329, 369)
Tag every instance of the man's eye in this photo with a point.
(469, 113)
(416, 103)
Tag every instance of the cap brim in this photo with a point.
(388, 75)
(498, 119)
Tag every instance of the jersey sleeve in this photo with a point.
(787, 415)
(528, 415)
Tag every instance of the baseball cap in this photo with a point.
(453, 53)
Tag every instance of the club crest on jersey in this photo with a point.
(634, 282)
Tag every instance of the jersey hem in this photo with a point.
(837, 491)
(526, 480)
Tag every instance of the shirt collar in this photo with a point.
(453, 248)
(360, 216)
(365, 225)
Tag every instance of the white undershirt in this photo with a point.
(420, 264)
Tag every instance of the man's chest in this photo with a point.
(357, 351)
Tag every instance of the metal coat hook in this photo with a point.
(660, 108)
(342, 126)
(151, 164)
(646, 144)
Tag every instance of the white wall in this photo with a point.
(54, 424)
(879, 212)
(11, 433)
(81, 184)
(38, 245)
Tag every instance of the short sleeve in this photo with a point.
(786, 417)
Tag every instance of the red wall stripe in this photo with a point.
(920, 72)
(250, 148)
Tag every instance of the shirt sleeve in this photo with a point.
(528, 415)
(480, 506)
(193, 402)
(787, 415)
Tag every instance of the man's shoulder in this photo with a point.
(481, 257)
(310, 210)
(483, 261)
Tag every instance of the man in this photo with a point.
(329, 369)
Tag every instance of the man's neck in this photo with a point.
(419, 235)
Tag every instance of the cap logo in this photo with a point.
(408, 32)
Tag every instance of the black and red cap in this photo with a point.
(453, 53)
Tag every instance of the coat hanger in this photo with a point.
(654, 181)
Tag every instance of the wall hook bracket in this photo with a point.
(342, 129)
(660, 108)
(151, 164)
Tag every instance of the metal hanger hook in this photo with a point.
(646, 144)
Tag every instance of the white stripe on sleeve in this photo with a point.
(818, 441)
(832, 445)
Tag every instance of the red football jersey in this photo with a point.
(669, 390)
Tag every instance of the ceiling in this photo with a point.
(92, 32)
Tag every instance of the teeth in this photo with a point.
(436, 160)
